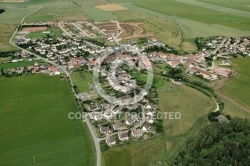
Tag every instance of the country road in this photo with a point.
(218, 47)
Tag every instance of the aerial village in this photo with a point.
(110, 121)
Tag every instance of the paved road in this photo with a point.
(94, 27)
(218, 47)
(96, 141)
(80, 29)
(64, 30)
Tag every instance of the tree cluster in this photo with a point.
(218, 144)
(2, 10)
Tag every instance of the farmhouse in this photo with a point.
(224, 72)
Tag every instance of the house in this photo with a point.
(123, 136)
(20, 70)
(94, 108)
(105, 130)
(111, 141)
(118, 126)
(146, 127)
(137, 133)
(131, 120)
(222, 119)
(224, 72)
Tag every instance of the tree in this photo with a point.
(2, 71)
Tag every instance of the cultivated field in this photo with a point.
(194, 20)
(240, 5)
(111, 7)
(34, 124)
(98, 14)
(165, 147)
(196, 13)
(238, 88)
(5, 33)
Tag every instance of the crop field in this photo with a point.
(98, 14)
(163, 148)
(240, 5)
(193, 25)
(34, 124)
(6, 33)
(238, 88)
(196, 13)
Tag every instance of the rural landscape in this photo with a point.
(124, 82)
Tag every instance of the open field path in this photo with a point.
(222, 95)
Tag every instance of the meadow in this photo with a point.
(18, 64)
(238, 88)
(82, 80)
(34, 123)
(164, 148)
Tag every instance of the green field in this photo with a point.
(196, 13)
(18, 64)
(238, 88)
(194, 20)
(98, 15)
(82, 80)
(34, 123)
(239, 5)
(233, 110)
(165, 147)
